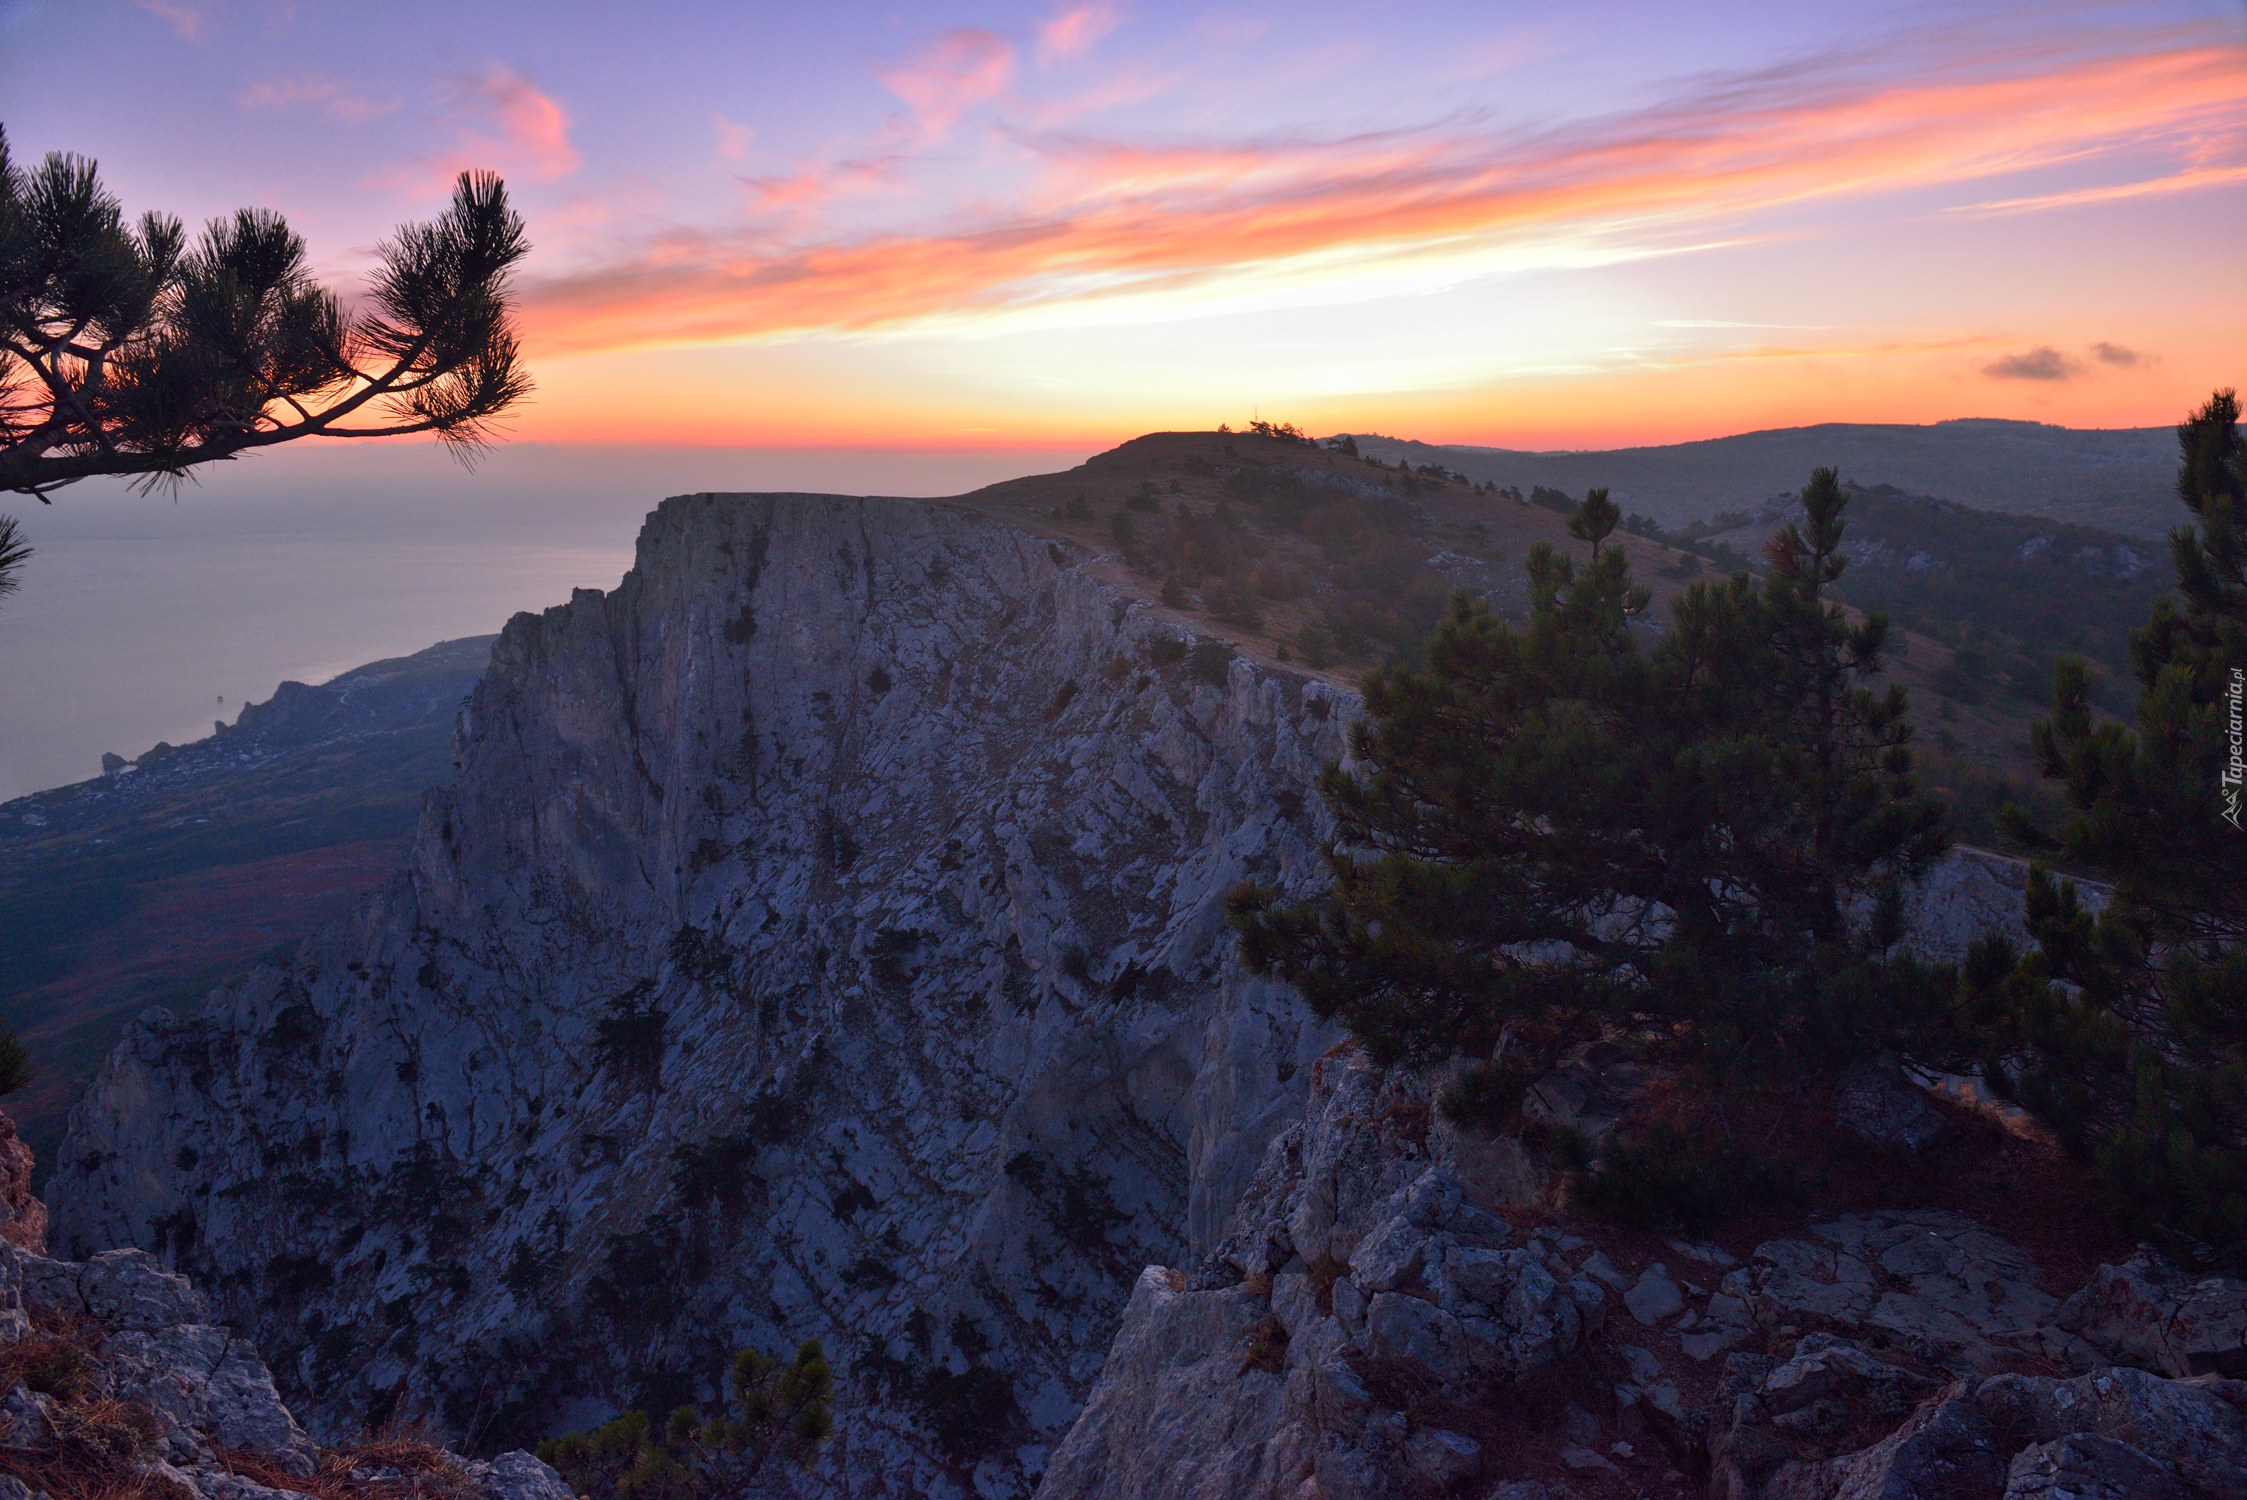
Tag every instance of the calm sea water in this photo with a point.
(145, 617)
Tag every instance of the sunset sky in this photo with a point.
(1050, 224)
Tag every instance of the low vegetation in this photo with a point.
(771, 1410)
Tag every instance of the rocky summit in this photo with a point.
(822, 938)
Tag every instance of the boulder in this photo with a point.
(1654, 1297)
(1937, 1282)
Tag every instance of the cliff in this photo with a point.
(820, 937)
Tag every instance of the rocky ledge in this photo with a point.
(1392, 1313)
(119, 1384)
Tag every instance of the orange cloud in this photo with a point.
(533, 133)
(1110, 220)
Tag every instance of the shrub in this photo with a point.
(629, 1039)
(1210, 662)
(971, 1413)
(1661, 1178)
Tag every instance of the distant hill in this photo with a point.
(2007, 593)
(147, 884)
(2121, 479)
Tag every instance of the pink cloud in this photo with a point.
(1075, 31)
(950, 76)
(533, 133)
(733, 139)
(498, 120)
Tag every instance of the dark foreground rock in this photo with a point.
(120, 1384)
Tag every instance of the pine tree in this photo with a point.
(125, 351)
(2140, 1055)
(1553, 831)
(1594, 520)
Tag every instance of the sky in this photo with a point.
(1059, 224)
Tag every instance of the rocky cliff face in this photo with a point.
(821, 938)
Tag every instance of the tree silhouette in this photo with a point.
(2139, 1055)
(125, 352)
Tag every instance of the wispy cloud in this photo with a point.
(949, 76)
(1170, 226)
(733, 139)
(2045, 363)
(1075, 31)
(2121, 358)
(191, 22)
(2191, 179)
(497, 119)
(333, 95)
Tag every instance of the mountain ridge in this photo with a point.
(2121, 479)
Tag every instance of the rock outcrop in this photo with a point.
(120, 1383)
(23, 1218)
(821, 937)
(1381, 1322)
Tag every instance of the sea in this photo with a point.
(147, 616)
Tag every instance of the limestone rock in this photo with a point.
(830, 917)
(2087, 1467)
(1592, 1089)
(141, 1335)
(23, 1218)
(2195, 1433)
(1654, 1297)
(1937, 1281)
(2147, 1312)
(1945, 1449)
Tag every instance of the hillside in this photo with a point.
(1279, 538)
(148, 884)
(2120, 479)
(2008, 593)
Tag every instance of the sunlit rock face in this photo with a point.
(821, 939)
